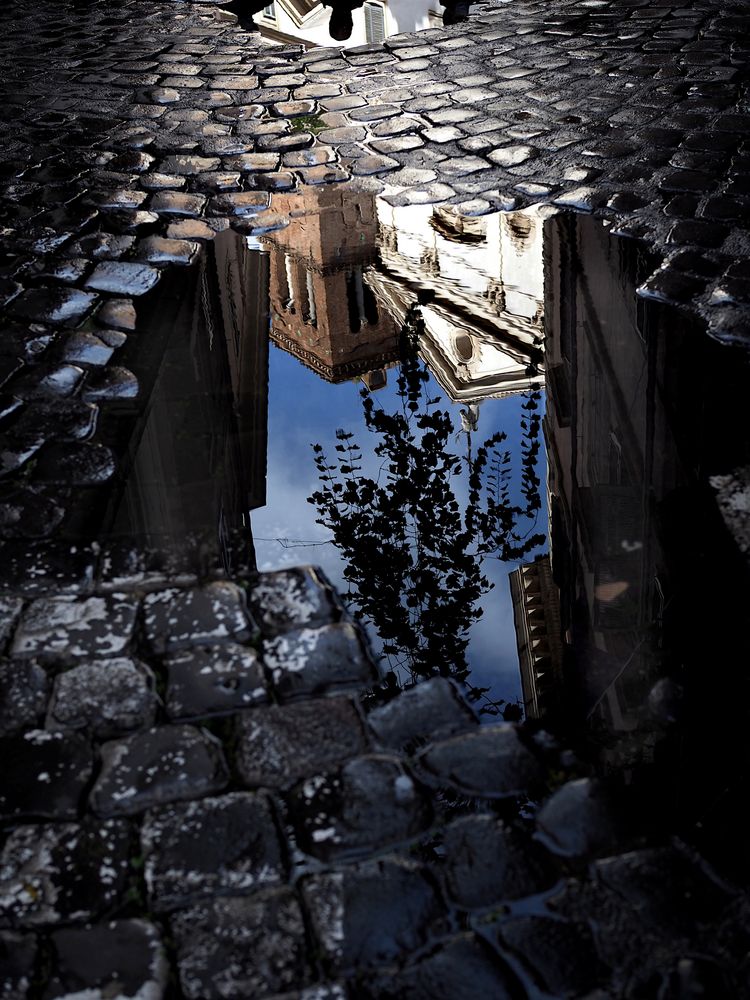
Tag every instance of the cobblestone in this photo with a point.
(129, 134)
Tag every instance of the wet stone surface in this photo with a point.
(215, 846)
(128, 137)
(162, 764)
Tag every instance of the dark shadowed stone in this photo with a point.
(74, 464)
(123, 278)
(491, 762)
(427, 711)
(119, 959)
(279, 745)
(293, 598)
(163, 764)
(52, 305)
(103, 697)
(579, 820)
(702, 234)
(241, 946)
(10, 609)
(56, 382)
(62, 629)
(321, 991)
(17, 964)
(213, 680)
(487, 862)
(670, 285)
(61, 418)
(372, 913)
(118, 313)
(463, 969)
(45, 774)
(102, 246)
(371, 802)
(560, 957)
(62, 871)
(84, 348)
(217, 613)
(217, 846)
(308, 661)
(24, 688)
(115, 382)
(666, 887)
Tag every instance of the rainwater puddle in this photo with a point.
(494, 448)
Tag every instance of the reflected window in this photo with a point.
(269, 11)
(374, 22)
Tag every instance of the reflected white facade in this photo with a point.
(481, 282)
(372, 22)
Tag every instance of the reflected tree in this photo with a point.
(413, 549)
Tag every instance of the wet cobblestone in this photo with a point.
(489, 865)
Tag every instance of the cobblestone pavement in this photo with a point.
(201, 799)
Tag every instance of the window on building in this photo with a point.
(374, 22)
(269, 11)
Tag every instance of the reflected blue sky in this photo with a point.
(304, 409)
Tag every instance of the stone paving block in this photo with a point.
(24, 689)
(371, 802)
(62, 872)
(426, 711)
(556, 955)
(290, 599)
(177, 203)
(216, 846)
(53, 305)
(123, 958)
(123, 278)
(462, 969)
(241, 946)
(491, 762)
(310, 661)
(45, 774)
(374, 913)
(279, 745)
(63, 629)
(216, 613)
(487, 862)
(104, 698)
(162, 764)
(157, 250)
(580, 820)
(213, 680)
(18, 953)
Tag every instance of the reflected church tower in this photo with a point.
(323, 311)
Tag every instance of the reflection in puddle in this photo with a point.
(352, 22)
(428, 485)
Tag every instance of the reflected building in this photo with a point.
(372, 20)
(643, 408)
(193, 451)
(323, 310)
(536, 617)
(480, 285)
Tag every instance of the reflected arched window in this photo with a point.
(464, 347)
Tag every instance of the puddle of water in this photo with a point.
(374, 389)
(348, 24)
